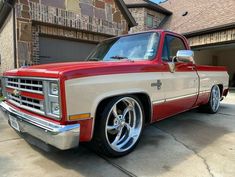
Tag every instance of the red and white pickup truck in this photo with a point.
(127, 82)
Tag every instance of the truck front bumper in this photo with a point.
(60, 136)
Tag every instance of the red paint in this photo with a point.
(27, 94)
(203, 98)
(63, 102)
(170, 108)
(211, 68)
(86, 127)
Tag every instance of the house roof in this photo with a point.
(126, 13)
(200, 16)
(147, 4)
(5, 8)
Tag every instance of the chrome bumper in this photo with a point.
(60, 136)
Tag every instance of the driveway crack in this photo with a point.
(192, 150)
(225, 114)
(109, 161)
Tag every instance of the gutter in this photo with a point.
(150, 5)
(210, 30)
(127, 14)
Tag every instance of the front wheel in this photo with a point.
(120, 126)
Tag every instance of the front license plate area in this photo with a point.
(14, 123)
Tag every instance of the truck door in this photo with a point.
(180, 86)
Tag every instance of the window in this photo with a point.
(149, 21)
(134, 47)
(171, 46)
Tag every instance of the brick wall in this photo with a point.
(139, 15)
(7, 45)
(157, 17)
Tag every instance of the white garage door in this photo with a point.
(57, 50)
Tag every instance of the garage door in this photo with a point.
(223, 55)
(57, 50)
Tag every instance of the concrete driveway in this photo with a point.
(191, 144)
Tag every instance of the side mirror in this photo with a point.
(185, 56)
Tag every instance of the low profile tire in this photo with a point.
(119, 126)
(214, 102)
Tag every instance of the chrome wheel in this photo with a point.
(124, 124)
(215, 98)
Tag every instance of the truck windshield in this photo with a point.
(134, 47)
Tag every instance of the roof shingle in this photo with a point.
(201, 15)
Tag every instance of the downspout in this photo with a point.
(14, 30)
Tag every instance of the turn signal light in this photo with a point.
(80, 116)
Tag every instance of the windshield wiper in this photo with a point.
(118, 57)
(93, 59)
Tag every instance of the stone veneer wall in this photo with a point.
(91, 20)
(157, 17)
(140, 15)
(7, 45)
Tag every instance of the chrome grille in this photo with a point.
(26, 103)
(20, 92)
(26, 85)
(35, 86)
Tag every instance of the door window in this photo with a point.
(171, 45)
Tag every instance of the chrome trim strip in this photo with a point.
(159, 101)
(174, 98)
(181, 97)
(205, 91)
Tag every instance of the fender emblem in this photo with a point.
(157, 84)
(16, 92)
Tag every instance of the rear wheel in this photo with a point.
(214, 102)
(120, 126)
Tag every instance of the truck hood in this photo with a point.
(79, 69)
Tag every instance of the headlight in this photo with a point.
(54, 88)
(52, 105)
(55, 108)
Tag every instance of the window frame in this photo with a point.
(152, 17)
(135, 34)
(167, 47)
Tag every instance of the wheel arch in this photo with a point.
(221, 87)
(142, 96)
